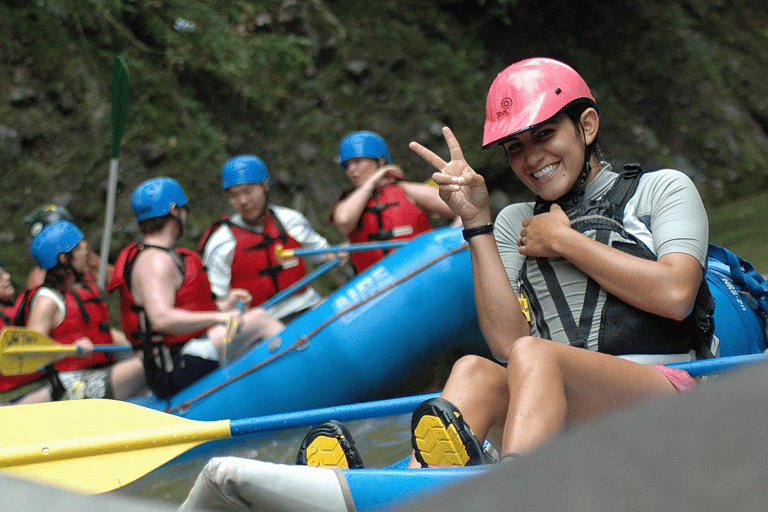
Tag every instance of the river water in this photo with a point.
(381, 441)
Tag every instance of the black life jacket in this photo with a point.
(623, 329)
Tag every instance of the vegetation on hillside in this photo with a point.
(680, 84)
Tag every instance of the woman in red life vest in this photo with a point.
(71, 309)
(381, 205)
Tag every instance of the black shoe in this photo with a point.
(440, 437)
(329, 445)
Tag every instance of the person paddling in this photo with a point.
(166, 304)
(71, 309)
(243, 250)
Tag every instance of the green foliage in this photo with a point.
(679, 84)
(499, 9)
(740, 226)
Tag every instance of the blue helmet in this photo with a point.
(54, 239)
(243, 169)
(367, 144)
(154, 197)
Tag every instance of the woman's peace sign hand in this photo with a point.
(462, 189)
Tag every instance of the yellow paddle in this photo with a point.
(23, 350)
(95, 446)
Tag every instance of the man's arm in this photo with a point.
(155, 280)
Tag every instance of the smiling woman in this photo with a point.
(549, 159)
(611, 262)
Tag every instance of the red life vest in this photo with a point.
(8, 382)
(86, 314)
(390, 215)
(255, 265)
(194, 294)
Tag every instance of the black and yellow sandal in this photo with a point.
(440, 437)
(329, 445)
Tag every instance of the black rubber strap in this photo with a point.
(480, 230)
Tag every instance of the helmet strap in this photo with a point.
(573, 197)
(67, 265)
(177, 218)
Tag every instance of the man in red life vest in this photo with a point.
(381, 205)
(242, 251)
(166, 300)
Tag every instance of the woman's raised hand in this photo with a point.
(462, 189)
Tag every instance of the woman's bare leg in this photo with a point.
(37, 396)
(478, 388)
(552, 385)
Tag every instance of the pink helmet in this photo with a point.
(528, 93)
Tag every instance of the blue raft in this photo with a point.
(268, 486)
(367, 337)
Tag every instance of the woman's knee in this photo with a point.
(471, 365)
(477, 373)
(532, 351)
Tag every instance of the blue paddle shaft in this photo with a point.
(406, 405)
(108, 348)
(359, 247)
(287, 292)
(352, 412)
(718, 364)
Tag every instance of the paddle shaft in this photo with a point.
(108, 221)
(287, 292)
(120, 87)
(233, 325)
(352, 412)
(364, 246)
(101, 445)
(720, 364)
(196, 432)
(64, 349)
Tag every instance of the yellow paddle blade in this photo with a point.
(23, 350)
(95, 446)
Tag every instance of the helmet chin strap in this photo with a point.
(264, 209)
(182, 227)
(67, 264)
(573, 197)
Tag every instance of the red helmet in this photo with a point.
(528, 93)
